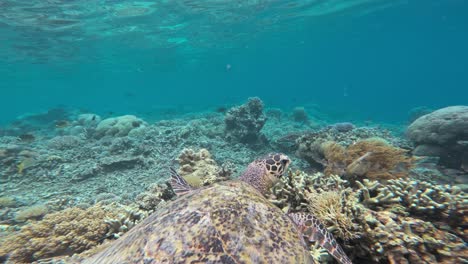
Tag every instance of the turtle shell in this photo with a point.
(228, 222)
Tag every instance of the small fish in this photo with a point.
(26, 163)
(62, 124)
(27, 138)
(20, 168)
(129, 94)
(94, 118)
(221, 109)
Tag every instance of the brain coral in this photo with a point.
(443, 133)
(118, 126)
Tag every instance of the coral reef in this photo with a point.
(118, 126)
(397, 239)
(418, 198)
(299, 114)
(309, 144)
(442, 133)
(153, 196)
(66, 232)
(401, 221)
(198, 168)
(343, 127)
(243, 123)
(88, 120)
(325, 197)
(364, 197)
(65, 142)
(7, 202)
(371, 158)
(34, 212)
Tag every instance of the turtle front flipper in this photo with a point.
(179, 185)
(311, 228)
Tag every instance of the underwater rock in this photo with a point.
(442, 133)
(343, 127)
(444, 126)
(370, 158)
(118, 126)
(243, 123)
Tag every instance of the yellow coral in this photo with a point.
(198, 168)
(328, 206)
(24, 164)
(61, 233)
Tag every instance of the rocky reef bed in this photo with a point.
(72, 181)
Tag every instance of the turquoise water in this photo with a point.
(103, 101)
(358, 59)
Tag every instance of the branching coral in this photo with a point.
(407, 240)
(324, 196)
(330, 208)
(371, 158)
(65, 232)
(397, 221)
(422, 199)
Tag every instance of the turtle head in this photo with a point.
(276, 164)
(263, 173)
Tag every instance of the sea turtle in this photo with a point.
(227, 222)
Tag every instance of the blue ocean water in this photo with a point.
(311, 103)
(356, 59)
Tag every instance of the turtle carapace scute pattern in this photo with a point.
(227, 222)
